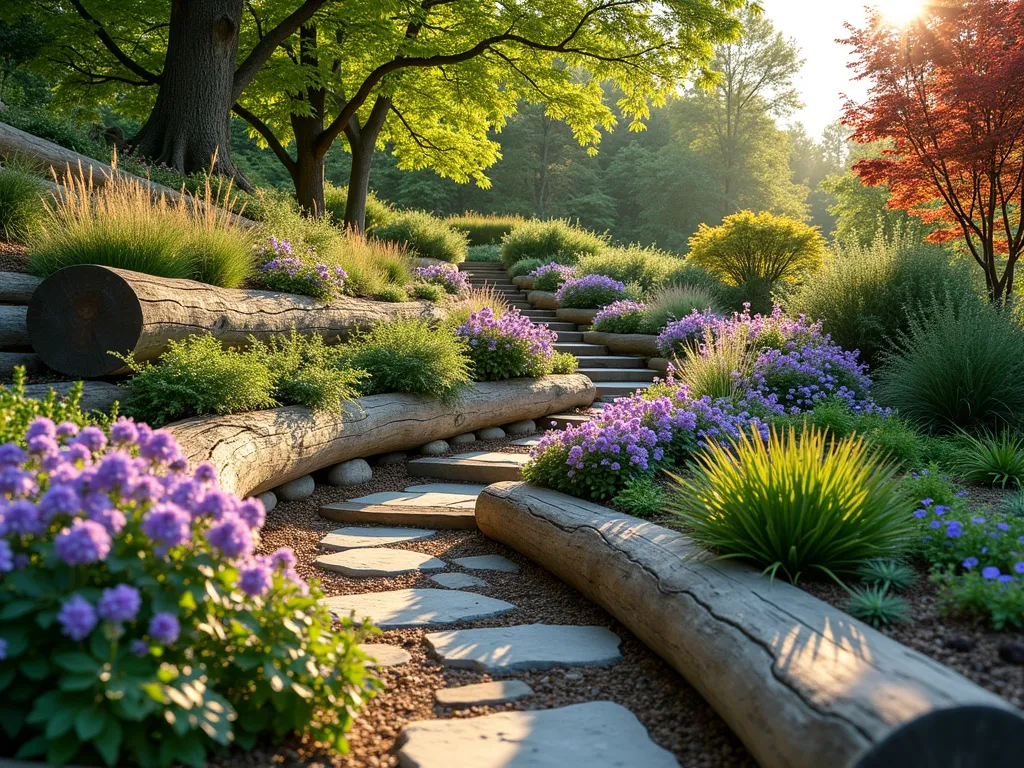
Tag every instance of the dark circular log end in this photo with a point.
(80, 314)
(962, 737)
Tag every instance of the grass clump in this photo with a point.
(484, 229)
(424, 236)
(957, 367)
(524, 267)
(411, 357)
(378, 212)
(119, 225)
(995, 459)
(17, 410)
(21, 202)
(428, 292)
(647, 267)
(875, 605)
(484, 253)
(795, 506)
(642, 497)
(553, 240)
(674, 302)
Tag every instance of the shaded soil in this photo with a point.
(13, 257)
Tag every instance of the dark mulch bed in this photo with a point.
(13, 257)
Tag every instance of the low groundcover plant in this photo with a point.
(137, 622)
(508, 346)
(281, 270)
(448, 277)
(590, 292)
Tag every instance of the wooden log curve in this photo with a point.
(543, 300)
(13, 328)
(801, 683)
(79, 314)
(578, 316)
(641, 344)
(17, 287)
(28, 360)
(96, 395)
(256, 451)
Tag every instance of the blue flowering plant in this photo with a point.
(137, 621)
(685, 332)
(281, 269)
(447, 276)
(549, 277)
(977, 559)
(590, 292)
(509, 346)
(623, 317)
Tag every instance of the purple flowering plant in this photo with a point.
(508, 346)
(447, 276)
(549, 277)
(281, 269)
(686, 331)
(623, 317)
(590, 292)
(135, 608)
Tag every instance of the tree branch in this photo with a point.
(264, 130)
(108, 42)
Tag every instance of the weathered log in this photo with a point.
(260, 450)
(28, 360)
(18, 144)
(543, 299)
(13, 328)
(801, 683)
(524, 282)
(578, 316)
(641, 344)
(17, 287)
(80, 314)
(96, 395)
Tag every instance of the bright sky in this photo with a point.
(815, 25)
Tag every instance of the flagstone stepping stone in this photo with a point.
(380, 561)
(417, 607)
(482, 466)
(296, 490)
(458, 495)
(458, 580)
(529, 442)
(348, 473)
(383, 655)
(490, 433)
(483, 693)
(488, 563)
(597, 734)
(441, 518)
(528, 646)
(357, 537)
(525, 427)
(469, 437)
(434, 448)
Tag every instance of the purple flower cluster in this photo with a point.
(687, 331)
(506, 347)
(621, 317)
(76, 499)
(281, 270)
(590, 292)
(445, 275)
(549, 277)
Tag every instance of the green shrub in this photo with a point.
(554, 240)
(674, 302)
(307, 372)
(59, 130)
(647, 267)
(21, 202)
(930, 483)
(428, 292)
(761, 247)
(378, 213)
(549, 277)
(757, 295)
(972, 596)
(958, 366)
(590, 292)
(524, 267)
(484, 253)
(864, 296)
(623, 317)
(686, 272)
(425, 236)
(119, 225)
(642, 497)
(484, 229)
(18, 411)
(991, 459)
(795, 506)
(392, 293)
(409, 356)
(563, 363)
(197, 377)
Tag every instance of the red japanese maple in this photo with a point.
(947, 98)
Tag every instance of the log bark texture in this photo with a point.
(96, 395)
(256, 451)
(28, 360)
(801, 683)
(578, 316)
(82, 313)
(641, 344)
(17, 287)
(13, 328)
(543, 300)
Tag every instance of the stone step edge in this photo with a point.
(440, 518)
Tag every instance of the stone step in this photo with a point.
(479, 467)
(557, 326)
(595, 734)
(563, 420)
(610, 361)
(450, 495)
(618, 374)
(480, 694)
(550, 313)
(381, 561)
(360, 537)
(383, 655)
(524, 647)
(519, 304)
(417, 607)
(569, 337)
(612, 389)
(487, 563)
(457, 580)
(582, 350)
(438, 518)
(528, 442)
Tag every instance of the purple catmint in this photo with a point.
(41, 445)
(16, 482)
(12, 455)
(59, 500)
(67, 429)
(256, 577)
(92, 438)
(86, 541)
(589, 291)
(164, 628)
(168, 525)
(124, 431)
(77, 617)
(205, 473)
(6, 557)
(21, 517)
(41, 427)
(446, 276)
(114, 472)
(232, 537)
(119, 604)
(216, 503)
(139, 648)
(252, 512)
(160, 447)
(283, 559)
(3, 649)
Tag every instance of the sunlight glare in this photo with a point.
(900, 12)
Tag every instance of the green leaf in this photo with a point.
(90, 722)
(108, 743)
(17, 608)
(34, 747)
(35, 669)
(11, 720)
(76, 661)
(73, 682)
(61, 750)
(60, 722)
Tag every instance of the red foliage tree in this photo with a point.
(947, 98)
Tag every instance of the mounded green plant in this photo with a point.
(642, 497)
(392, 293)
(425, 236)
(552, 240)
(484, 229)
(991, 459)
(875, 605)
(888, 573)
(378, 212)
(795, 506)
(647, 267)
(17, 410)
(21, 202)
(865, 295)
(674, 302)
(484, 253)
(524, 267)
(411, 357)
(958, 366)
(428, 292)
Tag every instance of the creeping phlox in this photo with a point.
(507, 346)
(281, 270)
(621, 317)
(590, 291)
(445, 275)
(549, 277)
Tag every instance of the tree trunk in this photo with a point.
(359, 184)
(308, 176)
(189, 122)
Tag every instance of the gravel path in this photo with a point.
(675, 715)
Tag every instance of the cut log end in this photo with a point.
(79, 315)
(967, 737)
